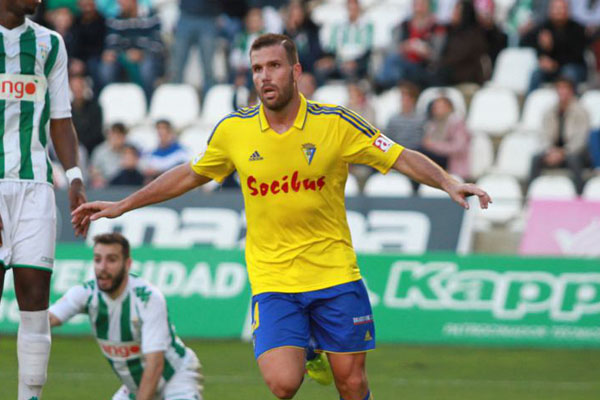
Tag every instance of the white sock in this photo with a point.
(33, 352)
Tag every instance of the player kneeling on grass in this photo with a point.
(129, 318)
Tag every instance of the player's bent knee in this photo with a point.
(284, 388)
(352, 383)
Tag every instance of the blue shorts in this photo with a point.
(339, 318)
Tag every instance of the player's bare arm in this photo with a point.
(54, 321)
(420, 168)
(65, 143)
(154, 365)
(168, 185)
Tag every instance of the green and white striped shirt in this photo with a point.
(126, 328)
(34, 88)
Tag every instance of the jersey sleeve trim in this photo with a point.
(243, 113)
(352, 118)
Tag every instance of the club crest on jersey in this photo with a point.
(43, 50)
(18, 87)
(309, 150)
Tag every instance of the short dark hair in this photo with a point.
(129, 146)
(275, 39)
(119, 127)
(164, 122)
(114, 238)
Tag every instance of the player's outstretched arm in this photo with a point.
(168, 185)
(153, 369)
(420, 168)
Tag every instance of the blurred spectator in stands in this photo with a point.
(86, 113)
(239, 58)
(416, 42)
(495, 37)
(168, 154)
(349, 47)
(446, 139)
(565, 135)
(129, 173)
(587, 13)
(305, 33)
(408, 126)
(106, 157)
(197, 26)
(56, 4)
(358, 100)
(61, 20)
(134, 47)
(464, 49)
(307, 85)
(560, 44)
(89, 31)
(524, 15)
(594, 149)
(272, 11)
(112, 8)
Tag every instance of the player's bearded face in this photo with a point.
(109, 282)
(110, 266)
(24, 6)
(282, 96)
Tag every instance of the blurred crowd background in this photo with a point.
(500, 92)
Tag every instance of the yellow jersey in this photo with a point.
(293, 184)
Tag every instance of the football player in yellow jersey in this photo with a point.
(292, 157)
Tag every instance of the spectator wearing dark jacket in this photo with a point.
(133, 46)
(465, 47)
(87, 114)
(305, 33)
(560, 44)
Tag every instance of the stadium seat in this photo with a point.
(513, 69)
(391, 185)
(591, 190)
(177, 103)
(553, 187)
(386, 105)
(143, 137)
(481, 155)
(385, 17)
(515, 154)
(195, 138)
(432, 93)
(591, 102)
(536, 104)
(494, 111)
(217, 103)
(123, 102)
(332, 94)
(506, 195)
(352, 188)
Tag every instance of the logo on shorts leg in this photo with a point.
(47, 260)
(368, 336)
(365, 319)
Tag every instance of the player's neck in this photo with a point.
(282, 120)
(10, 20)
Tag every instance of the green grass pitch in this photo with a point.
(78, 371)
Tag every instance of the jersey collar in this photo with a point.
(298, 122)
(15, 31)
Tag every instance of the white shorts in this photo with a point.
(185, 384)
(28, 211)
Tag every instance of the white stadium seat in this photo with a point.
(513, 69)
(552, 187)
(177, 103)
(432, 93)
(217, 103)
(123, 102)
(143, 137)
(386, 105)
(194, 138)
(385, 17)
(494, 111)
(481, 155)
(536, 104)
(591, 102)
(515, 154)
(332, 94)
(506, 195)
(351, 188)
(391, 185)
(591, 190)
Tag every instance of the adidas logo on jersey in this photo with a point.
(256, 156)
(22, 87)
